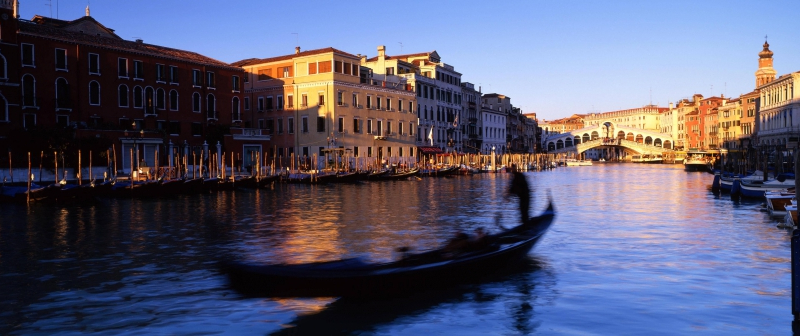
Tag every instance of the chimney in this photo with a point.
(671, 106)
(296, 50)
(381, 51)
(139, 41)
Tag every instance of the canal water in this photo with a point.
(635, 249)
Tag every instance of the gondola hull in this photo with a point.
(354, 278)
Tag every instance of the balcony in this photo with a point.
(249, 134)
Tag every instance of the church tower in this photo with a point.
(9, 12)
(765, 72)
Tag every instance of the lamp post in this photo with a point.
(331, 143)
(493, 168)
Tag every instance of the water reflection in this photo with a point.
(646, 247)
(515, 290)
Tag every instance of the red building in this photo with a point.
(71, 85)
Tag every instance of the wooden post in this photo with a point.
(194, 166)
(10, 171)
(41, 158)
(55, 159)
(90, 166)
(79, 168)
(114, 150)
(130, 176)
(29, 177)
(156, 163)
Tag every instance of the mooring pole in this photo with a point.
(796, 276)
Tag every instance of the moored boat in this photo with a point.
(697, 161)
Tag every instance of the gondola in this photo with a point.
(356, 278)
(389, 176)
(265, 181)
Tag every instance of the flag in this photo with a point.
(455, 122)
(430, 136)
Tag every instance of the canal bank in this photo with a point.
(635, 249)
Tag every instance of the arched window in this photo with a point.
(3, 67)
(94, 93)
(161, 99)
(123, 95)
(3, 108)
(211, 107)
(235, 110)
(62, 94)
(149, 101)
(28, 90)
(196, 102)
(173, 100)
(138, 96)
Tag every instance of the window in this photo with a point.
(149, 101)
(337, 66)
(280, 103)
(196, 102)
(235, 82)
(390, 71)
(138, 95)
(355, 100)
(340, 98)
(290, 127)
(411, 129)
(94, 64)
(290, 101)
(173, 74)
(27, 55)
(312, 68)
(400, 129)
(175, 127)
(261, 124)
(247, 103)
(356, 123)
(211, 82)
(320, 124)
(380, 127)
(399, 104)
(325, 67)
(122, 67)
(138, 70)
(340, 125)
(63, 100)
(355, 151)
(211, 106)
(321, 100)
(355, 69)
(369, 151)
(378, 99)
(122, 96)
(369, 126)
(161, 73)
(94, 93)
(304, 100)
(388, 104)
(304, 125)
(161, 99)
(269, 103)
(280, 125)
(264, 74)
(270, 126)
(173, 100)
(197, 78)
(388, 128)
(260, 104)
(369, 102)
(347, 69)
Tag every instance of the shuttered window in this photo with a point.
(312, 68)
(325, 67)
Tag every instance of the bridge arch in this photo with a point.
(607, 134)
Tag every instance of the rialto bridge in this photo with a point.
(608, 134)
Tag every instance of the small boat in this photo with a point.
(777, 202)
(726, 180)
(265, 181)
(399, 175)
(440, 172)
(790, 220)
(576, 163)
(354, 277)
(757, 189)
(697, 161)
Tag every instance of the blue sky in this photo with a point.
(554, 58)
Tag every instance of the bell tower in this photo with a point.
(765, 72)
(9, 12)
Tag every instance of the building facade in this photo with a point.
(322, 99)
(84, 87)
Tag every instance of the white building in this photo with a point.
(494, 111)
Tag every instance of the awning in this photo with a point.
(429, 150)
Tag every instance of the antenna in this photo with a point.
(50, 4)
